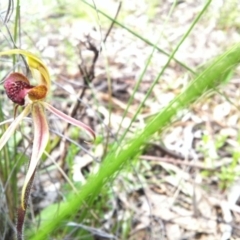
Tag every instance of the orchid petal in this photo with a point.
(37, 93)
(8, 133)
(35, 64)
(41, 136)
(69, 119)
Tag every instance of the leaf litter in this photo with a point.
(179, 187)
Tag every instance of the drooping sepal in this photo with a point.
(41, 136)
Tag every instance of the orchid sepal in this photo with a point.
(10, 130)
(69, 119)
(41, 136)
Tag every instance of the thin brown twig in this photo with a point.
(88, 76)
(112, 23)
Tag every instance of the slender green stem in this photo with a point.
(16, 28)
(166, 65)
(16, 36)
(142, 75)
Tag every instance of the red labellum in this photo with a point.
(17, 86)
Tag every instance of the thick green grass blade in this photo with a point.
(209, 79)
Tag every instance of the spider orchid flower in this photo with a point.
(21, 92)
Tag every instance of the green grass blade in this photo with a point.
(115, 160)
(140, 81)
(167, 63)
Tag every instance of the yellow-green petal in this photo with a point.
(36, 65)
